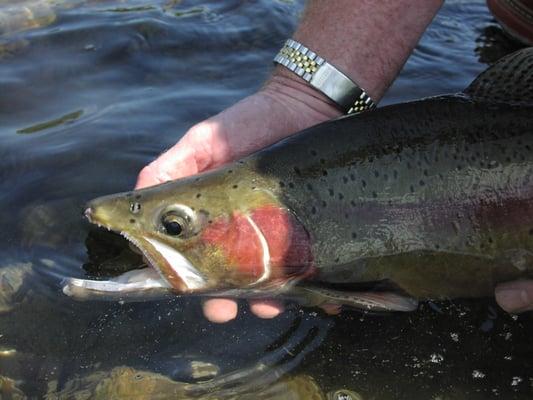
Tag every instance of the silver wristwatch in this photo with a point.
(324, 77)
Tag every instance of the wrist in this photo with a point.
(288, 87)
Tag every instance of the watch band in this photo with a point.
(324, 77)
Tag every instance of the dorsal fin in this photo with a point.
(510, 80)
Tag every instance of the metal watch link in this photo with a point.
(324, 77)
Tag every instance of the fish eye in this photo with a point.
(173, 224)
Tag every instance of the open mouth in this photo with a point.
(172, 273)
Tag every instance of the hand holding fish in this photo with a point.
(343, 202)
(375, 211)
(286, 105)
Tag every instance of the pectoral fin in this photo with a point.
(370, 301)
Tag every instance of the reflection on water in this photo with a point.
(90, 91)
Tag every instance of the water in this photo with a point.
(91, 91)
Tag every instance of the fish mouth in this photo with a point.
(174, 273)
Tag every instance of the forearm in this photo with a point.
(366, 39)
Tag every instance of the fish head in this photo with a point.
(212, 232)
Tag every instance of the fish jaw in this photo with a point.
(172, 266)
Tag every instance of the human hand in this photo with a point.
(515, 297)
(285, 105)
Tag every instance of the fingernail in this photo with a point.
(513, 300)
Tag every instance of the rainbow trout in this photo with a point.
(431, 199)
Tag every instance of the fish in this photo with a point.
(426, 200)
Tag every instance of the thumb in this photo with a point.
(191, 155)
(515, 297)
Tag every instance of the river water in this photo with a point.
(91, 91)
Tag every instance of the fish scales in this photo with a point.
(388, 185)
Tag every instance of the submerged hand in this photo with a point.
(282, 107)
(515, 297)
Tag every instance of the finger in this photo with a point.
(331, 309)
(203, 147)
(175, 163)
(515, 297)
(266, 308)
(220, 311)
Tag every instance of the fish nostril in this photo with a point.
(88, 213)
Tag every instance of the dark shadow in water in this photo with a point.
(494, 43)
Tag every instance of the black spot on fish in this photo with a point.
(281, 184)
(331, 192)
(374, 194)
(385, 177)
(309, 186)
(132, 221)
(395, 174)
(426, 172)
(346, 215)
(313, 210)
(345, 180)
(324, 204)
(363, 183)
(412, 188)
(324, 172)
(291, 185)
(354, 235)
(376, 174)
(341, 196)
(352, 203)
(421, 183)
(297, 171)
(230, 171)
(322, 161)
(198, 195)
(253, 187)
(235, 186)
(352, 177)
(210, 221)
(313, 153)
(138, 197)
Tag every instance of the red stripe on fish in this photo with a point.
(288, 241)
(243, 238)
(239, 242)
